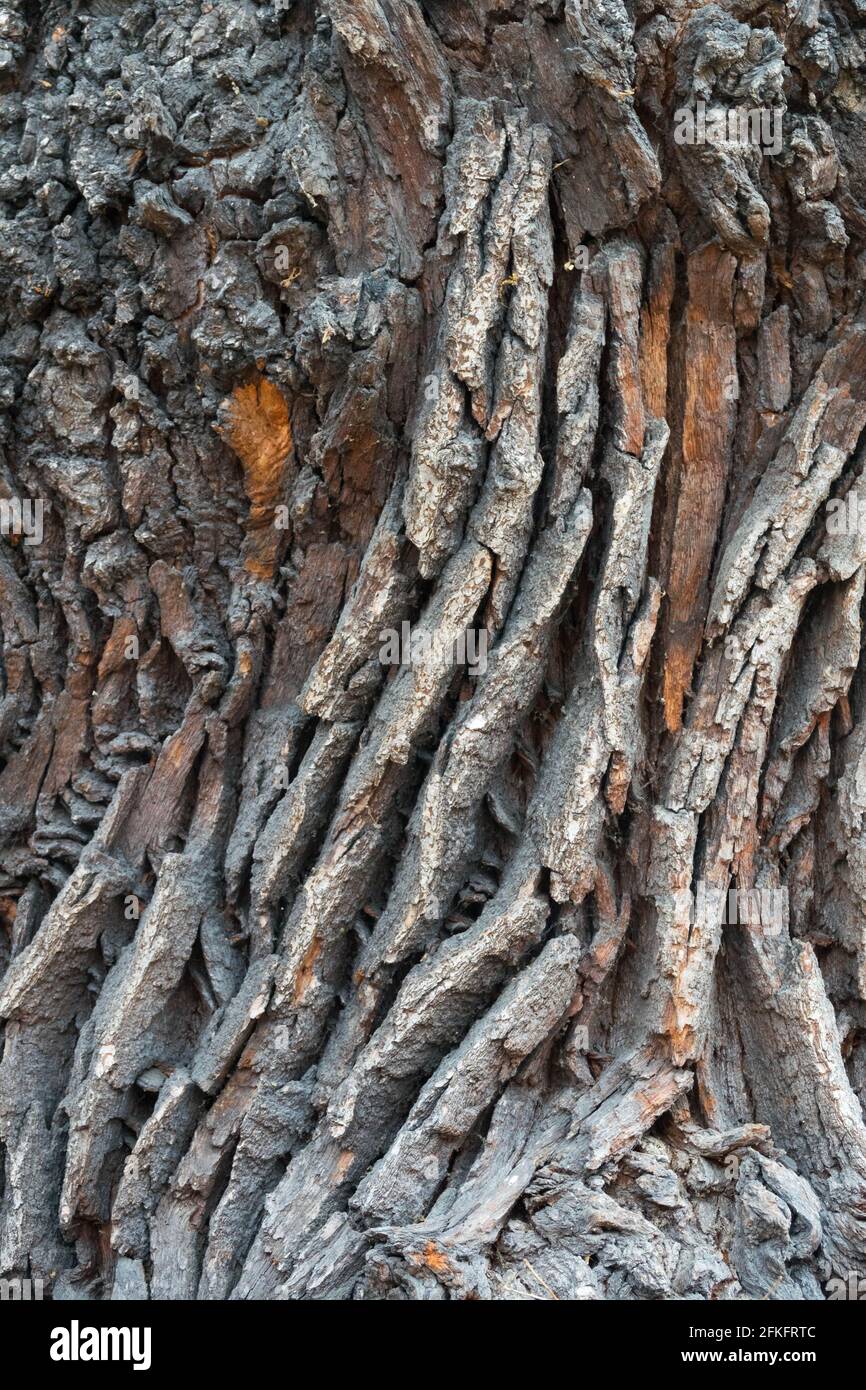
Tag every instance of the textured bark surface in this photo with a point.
(321, 978)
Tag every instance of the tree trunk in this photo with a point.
(345, 955)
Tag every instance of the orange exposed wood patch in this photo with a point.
(433, 1258)
(606, 951)
(343, 1164)
(305, 974)
(701, 465)
(706, 1095)
(678, 674)
(655, 331)
(114, 656)
(257, 428)
(255, 424)
(624, 296)
(681, 1036)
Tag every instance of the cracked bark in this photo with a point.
(321, 979)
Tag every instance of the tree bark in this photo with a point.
(541, 976)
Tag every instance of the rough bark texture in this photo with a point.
(324, 979)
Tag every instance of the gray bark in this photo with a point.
(324, 979)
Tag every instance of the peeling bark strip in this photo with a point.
(325, 978)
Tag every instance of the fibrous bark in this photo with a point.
(323, 978)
